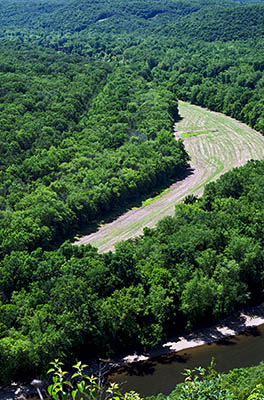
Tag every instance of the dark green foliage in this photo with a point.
(211, 54)
(201, 264)
(78, 138)
(88, 98)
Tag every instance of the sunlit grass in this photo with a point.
(190, 134)
(216, 144)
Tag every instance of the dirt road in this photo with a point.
(216, 144)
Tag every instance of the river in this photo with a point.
(161, 374)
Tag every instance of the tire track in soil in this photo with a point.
(230, 144)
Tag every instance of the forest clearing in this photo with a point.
(215, 142)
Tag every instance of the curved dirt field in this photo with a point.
(222, 144)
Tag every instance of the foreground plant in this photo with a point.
(200, 386)
(82, 386)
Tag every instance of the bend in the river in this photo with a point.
(222, 144)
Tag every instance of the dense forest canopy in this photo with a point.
(77, 138)
(88, 99)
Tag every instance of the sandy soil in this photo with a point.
(231, 326)
(229, 144)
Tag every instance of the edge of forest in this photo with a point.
(235, 323)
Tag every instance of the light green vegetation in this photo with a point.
(82, 385)
(211, 156)
(152, 199)
(242, 384)
(190, 134)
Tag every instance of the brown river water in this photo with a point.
(161, 374)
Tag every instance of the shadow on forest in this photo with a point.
(178, 118)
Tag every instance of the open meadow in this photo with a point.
(216, 143)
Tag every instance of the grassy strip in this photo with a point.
(151, 199)
(190, 134)
(211, 155)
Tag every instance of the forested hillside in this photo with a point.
(198, 265)
(88, 99)
(77, 139)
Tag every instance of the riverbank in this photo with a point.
(234, 324)
(248, 317)
(235, 342)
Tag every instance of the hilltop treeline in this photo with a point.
(211, 53)
(196, 266)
